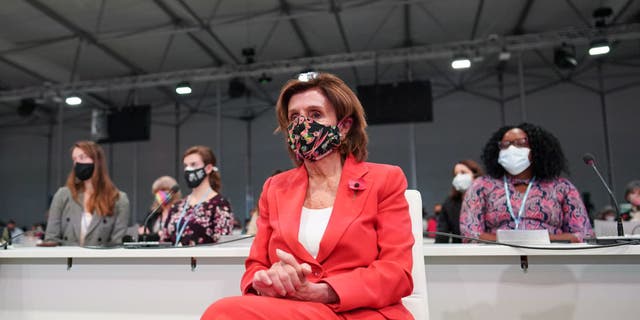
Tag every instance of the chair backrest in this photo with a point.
(417, 302)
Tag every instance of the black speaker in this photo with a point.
(27, 107)
(397, 103)
(131, 123)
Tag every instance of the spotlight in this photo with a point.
(564, 56)
(599, 47)
(249, 55)
(601, 15)
(460, 62)
(73, 100)
(504, 55)
(183, 88)
(264, 78)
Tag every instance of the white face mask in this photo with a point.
(610, 218)
(462, 181)
(514, 159)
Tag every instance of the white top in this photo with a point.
(84, 225)
(313, 223)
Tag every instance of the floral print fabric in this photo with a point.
(206, 224)
(554, 205)
(312, 140)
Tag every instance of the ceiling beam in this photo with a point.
(83, 34)
(407, 26)
(522, 18)
(476, 20)
(208, 30)
(100, 100)
(286, 9)
(513, 44)
(178, 22)
(579, 14)
(622, 10)
(87, 36)
(335, 9)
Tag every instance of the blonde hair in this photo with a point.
(165, 183)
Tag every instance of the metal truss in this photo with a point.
(479, 47)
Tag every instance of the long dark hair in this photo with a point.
(547, 158)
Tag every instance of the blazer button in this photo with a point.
(65, 238)
(68, 219)
(104, 220)
(99, 239)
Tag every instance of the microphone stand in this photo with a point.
(145, 229)
(615, 203)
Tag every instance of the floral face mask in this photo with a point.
(311, 140)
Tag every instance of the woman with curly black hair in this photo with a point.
(523, 188)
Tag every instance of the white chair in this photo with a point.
(417, 302)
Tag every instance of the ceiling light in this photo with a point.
(73, 100)
(461, 63)
(564, 57)
(504, 55)
(183, 88)
(599, 47)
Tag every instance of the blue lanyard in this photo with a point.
(522, 205)
(186, 221)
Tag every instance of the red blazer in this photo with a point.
(365, 253)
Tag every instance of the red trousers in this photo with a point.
(252, 307)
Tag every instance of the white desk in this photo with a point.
(117, 283)
(473, 281)
(464, 282)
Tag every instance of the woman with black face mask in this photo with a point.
(204, 215)
(89, 210)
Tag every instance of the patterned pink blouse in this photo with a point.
(554, 205)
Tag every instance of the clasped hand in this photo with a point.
(288, 279)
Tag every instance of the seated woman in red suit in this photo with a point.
(334, 234)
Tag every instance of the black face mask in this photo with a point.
(83, 171)
(194, 177)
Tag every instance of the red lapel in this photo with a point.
(347, 206)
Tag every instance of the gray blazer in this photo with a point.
(65, 215)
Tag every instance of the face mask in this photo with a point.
(514, 159)
(311, 140)
(83, 171)
(462, 181)
(162, 197)
(194, 177)
(610, 218)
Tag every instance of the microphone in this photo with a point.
(9, 241)
(590, 160)
(155, 210)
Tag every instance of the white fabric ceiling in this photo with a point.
(50, 41)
